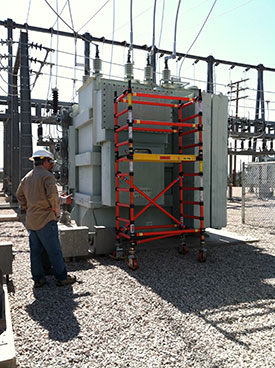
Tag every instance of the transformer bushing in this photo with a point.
(148, 74)
(166, 75)
(97, 65)
(129, 71)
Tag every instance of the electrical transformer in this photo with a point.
(92, 158)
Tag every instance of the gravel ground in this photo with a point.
(171, 312)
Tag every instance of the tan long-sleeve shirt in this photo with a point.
(37, 194)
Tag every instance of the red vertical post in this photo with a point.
(118, 252)
(131, 257)
(202, 252)
(116, 170)
(182, 244)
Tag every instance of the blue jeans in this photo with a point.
(46, 238)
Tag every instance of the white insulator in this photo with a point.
(148, 73)
(97, 64)
(129, 71)
(166, 75)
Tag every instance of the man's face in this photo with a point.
(49, 164)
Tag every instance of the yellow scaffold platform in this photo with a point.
(151, 157)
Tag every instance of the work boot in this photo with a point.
(68, 281)
(39, 283)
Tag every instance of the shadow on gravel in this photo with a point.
(234, 278)
(53, 309)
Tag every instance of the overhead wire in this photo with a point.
(174, 53)
(88, 21)
(161, 24)
(154, 24)
(113, 37)
(131, 51)
(232, 9)
(192, 44)
(70, 11)
(175, 31)
(243, 4)
(75, 49)
(64, 6)
(57, 43)
(28, 13)
(50, 75)
(135, 17)
(161, 28)
(58, 15)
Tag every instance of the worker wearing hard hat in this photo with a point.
(37, 194)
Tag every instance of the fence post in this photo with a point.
(243, 194)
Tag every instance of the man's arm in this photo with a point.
(52, 193)
(21, 196)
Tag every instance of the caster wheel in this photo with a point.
(202, 256)
(183, 249)
(118, 254)
(132, 263)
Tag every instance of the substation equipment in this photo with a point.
(147, 163)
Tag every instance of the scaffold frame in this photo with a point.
(125, 227)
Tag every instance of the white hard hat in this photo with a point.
(42, 153)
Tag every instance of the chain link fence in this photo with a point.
(258, 194)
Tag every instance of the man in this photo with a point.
(37, 194)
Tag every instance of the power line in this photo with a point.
(161, 25)
(88, 21)
(154, 23)
(57, 44)
(197, 35)
(64, 6)
(138, 47)
(59, 16)
(28, 13)
(113, 36)
(70, 11)
(137, 16)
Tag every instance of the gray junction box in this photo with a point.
(92, 159)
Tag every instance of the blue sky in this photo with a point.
(237, 30)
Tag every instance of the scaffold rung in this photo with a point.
(151, 157)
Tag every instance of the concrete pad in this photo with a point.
(7, 349)
(228, 237)
(213, 238)
(5, 218)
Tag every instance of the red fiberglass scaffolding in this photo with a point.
(125, 227)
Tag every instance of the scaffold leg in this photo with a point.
(119, 252)
(202, 251)
(182, 248)
(132, 260)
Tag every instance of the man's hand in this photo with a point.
(55, 210)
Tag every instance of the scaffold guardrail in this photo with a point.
(125, 227)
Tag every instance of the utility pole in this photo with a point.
(25, 106)
(235, 89)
